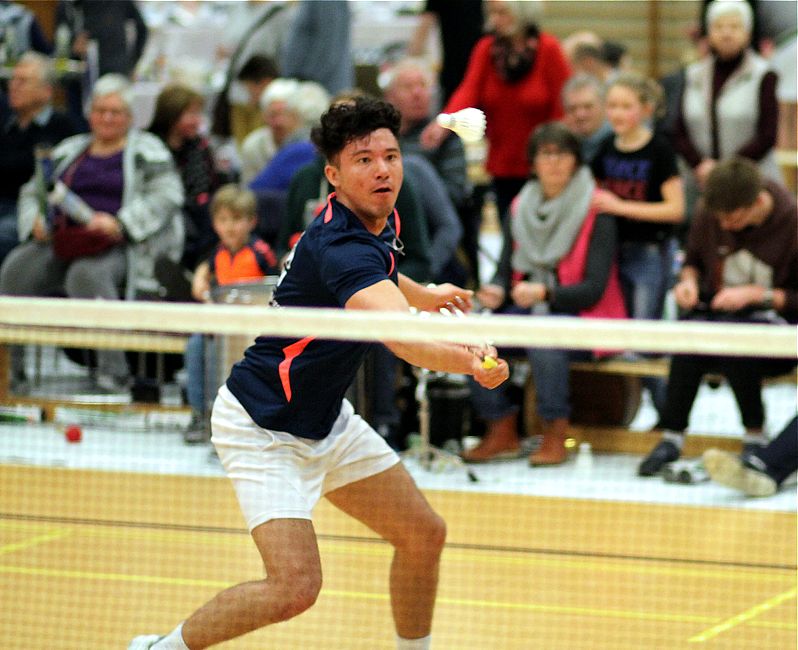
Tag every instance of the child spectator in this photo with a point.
(636, 168)
(239, 257)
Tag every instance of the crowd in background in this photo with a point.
(603, 180)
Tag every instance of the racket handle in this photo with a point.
(488, 363)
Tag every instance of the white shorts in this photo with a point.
(277, 475)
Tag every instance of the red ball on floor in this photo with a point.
(73, 433)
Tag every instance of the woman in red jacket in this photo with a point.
(515, 75)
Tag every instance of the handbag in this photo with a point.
(70, 239)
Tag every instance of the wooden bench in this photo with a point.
(616, 436)
(82, 338)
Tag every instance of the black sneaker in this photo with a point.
(665, 452)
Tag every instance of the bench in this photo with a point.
(99, 338)
(615, 436)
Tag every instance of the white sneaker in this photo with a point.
(729, 470)
(144, 642)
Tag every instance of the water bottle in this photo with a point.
(584, 459)
(71, 204)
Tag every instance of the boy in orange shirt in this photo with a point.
(240, 256)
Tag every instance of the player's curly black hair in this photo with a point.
(352, 119)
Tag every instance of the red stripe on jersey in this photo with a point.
(291, 352)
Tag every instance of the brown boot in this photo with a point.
(500, 442)
(552, 449)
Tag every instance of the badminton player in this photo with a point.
(282, 427)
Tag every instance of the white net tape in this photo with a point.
(19, 314)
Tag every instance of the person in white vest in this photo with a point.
(729, 104)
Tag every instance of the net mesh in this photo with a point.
(126, 530)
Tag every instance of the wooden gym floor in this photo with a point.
(89, 559)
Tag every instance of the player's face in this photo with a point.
(367, 176)
(233, 229)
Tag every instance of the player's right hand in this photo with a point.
(489, 377)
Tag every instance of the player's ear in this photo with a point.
(331, 172)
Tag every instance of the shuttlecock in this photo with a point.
(468, 123)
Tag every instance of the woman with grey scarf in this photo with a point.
(559, 258)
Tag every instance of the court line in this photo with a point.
(744, 617)
(364, 595)
(372, 540)
(34, 541)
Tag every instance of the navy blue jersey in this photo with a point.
(297, 384)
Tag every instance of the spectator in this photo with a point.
(109, 24)
(558, 259)
(32, 124)
(127, 183)
(515, 75)
(21, 32)
(583, 101)
(728, 105)
(603, 60)
(239, 257)
(177, 121)
(760, 473)
(443, 223)
(289, 109)
(636, 169)
(438, 174)
(244, 118)
(409, 86)
(741, 265)
(318, 45)
(460, 23)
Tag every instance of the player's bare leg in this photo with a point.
(392, 506)
(293, 580)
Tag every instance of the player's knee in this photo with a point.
(299, 595)
(427, 537)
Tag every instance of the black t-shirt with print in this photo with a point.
(637, 176)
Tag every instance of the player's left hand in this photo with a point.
(448, 296)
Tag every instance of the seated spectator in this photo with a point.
(444, 226)
(728, 105)
(239, 257)
(32, 124)
(242, 119)
(177, 121)
(289, 109)
(121, 212)
(409, 86)
(741, 265)
(583, 103)
(760, 473)
(558, 259)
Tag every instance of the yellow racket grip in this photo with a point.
(489, 362)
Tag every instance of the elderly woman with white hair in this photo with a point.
(289, 108)
(728, 105)
(114, 208)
